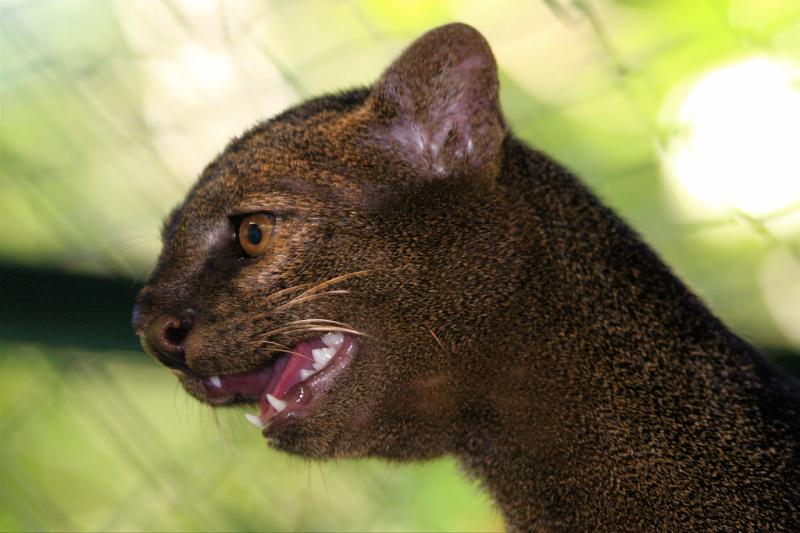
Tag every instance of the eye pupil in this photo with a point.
(254, 234)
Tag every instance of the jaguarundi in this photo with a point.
(390, 272)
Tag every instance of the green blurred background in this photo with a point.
(684, 115)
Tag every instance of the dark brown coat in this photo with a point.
(511, 319)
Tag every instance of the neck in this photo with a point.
(625, 393)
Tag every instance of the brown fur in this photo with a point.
(511, 319)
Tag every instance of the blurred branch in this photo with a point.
(623, 72)
(559, 11)
(56, 308)
(759, 227)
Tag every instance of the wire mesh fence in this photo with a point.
(111, 109)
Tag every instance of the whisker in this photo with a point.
(332, 281)
(272, 350)
(437, 340)
(317, 321)
(339, 329)
(279, 345)
(286, 349)
(309, 294)
(284, 291)
(320, 325)
(298, 354)
(301, 298)
(293, 302)
(283, 329)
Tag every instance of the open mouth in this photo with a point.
(291, 383)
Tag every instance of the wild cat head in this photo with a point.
(334, 264)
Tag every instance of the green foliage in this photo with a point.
(109, 111)
(101, 442)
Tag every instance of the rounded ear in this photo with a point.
(437, 105)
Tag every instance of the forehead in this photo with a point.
(291, 155)
(302, 157)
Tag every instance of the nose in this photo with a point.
(166, 334)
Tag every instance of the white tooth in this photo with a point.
(305, 374)
(322, 355)
(216, 381)
(333, 339)
(278, 405)
(255, 420)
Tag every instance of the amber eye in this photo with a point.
(255, 232)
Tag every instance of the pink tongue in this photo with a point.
(247, 384)
(299, 359)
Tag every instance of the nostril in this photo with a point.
(173, 334)
(168, 333)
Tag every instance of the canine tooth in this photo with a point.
(333, 339)
(306, 373)
(255, 420)
(214, 380)
(323, 355)
(278, 405)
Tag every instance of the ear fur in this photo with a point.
(437, 104)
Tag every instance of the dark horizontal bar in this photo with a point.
(62, 309)
(59, 308)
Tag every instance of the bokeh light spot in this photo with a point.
(737, 140)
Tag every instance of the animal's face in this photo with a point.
(323, 264)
